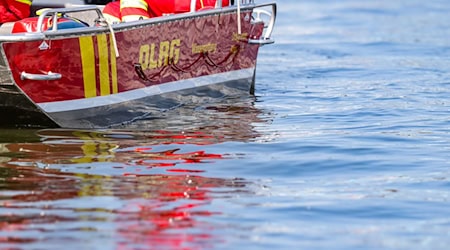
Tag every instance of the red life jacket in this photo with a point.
(13, 10)
(154, 8)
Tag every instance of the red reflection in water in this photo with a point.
(149, 223)
(171, 155)
(41, 185)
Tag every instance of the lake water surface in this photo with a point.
(346, 145)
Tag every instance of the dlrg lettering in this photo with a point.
(152, 56)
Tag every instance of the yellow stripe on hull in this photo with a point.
(107, 67)
(103, 55)
(88, 62)
(112, 57)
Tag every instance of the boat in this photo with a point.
(69, 68)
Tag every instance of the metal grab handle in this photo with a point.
(50, 76)
(269, 27)
(261, 41)
(55, 13)
(258, 13)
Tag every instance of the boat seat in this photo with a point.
(6, 28)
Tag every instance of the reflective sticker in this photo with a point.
(141, 4)
(44, 46)
(27, 2)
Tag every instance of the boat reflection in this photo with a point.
(125, 188)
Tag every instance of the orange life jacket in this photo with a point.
(13, 10)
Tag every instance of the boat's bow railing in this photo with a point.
(56, 13)
(265, 13)
(268, 17)
(53, 15)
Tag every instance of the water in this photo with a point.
(345, 146)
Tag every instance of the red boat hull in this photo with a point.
(161, 63)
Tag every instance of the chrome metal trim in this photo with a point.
(153, 90)
(36, 36)
(261, 41)
(50, 76)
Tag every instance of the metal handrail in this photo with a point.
(266, 38)
(54, 13)
(50, 76)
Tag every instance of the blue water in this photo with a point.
(346, 145)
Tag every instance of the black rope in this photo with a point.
(234, 51)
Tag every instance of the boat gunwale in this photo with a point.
(120, 27)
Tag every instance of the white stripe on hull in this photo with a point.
(62, 106)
